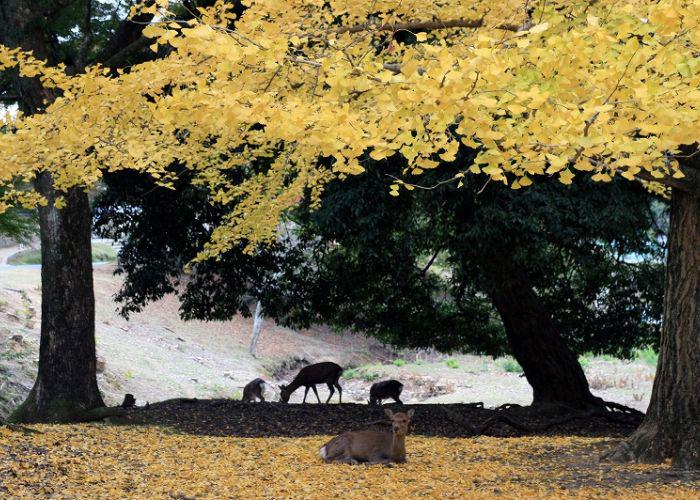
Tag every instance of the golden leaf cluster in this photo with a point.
(97, 461)
(562, 87)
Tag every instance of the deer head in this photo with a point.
(399, 421)
(284, 393)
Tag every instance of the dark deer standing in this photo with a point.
(254, 389)
(370, 447)
(319, 373)
(384, 390)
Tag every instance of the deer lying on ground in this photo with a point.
(254, 390)
(384, 390)
(309, 376)
(370, 447)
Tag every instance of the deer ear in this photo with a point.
(410, 413)
(389, 413)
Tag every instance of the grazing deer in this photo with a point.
(309, 376)
(254, 390)
(384, 390)
(370, 447)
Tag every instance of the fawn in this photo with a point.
(370, 447)
(385, 390)
(254, 390)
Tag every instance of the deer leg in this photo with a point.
(340, 391)
(398, 400)
(330, 388)
(305, 393)
(262, 399)
(316, 392)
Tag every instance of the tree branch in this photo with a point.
(128, 34)
(427, 26)
(118, 59)
(689, 184)
(430, 262)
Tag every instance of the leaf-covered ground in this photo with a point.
(225, 417)
(102, 461)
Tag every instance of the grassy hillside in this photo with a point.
(100, 253)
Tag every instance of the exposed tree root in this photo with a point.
(508, 406)
(631, 417)
(617, 407)
(101, 413)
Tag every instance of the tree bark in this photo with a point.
(257, 327)
(66, 383)
(671, 428)
(550, 367)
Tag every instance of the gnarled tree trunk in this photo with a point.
(671, 428)
(66, 384)
(550, 367)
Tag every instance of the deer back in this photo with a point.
(362, 446)
(385, 389)
(317, 373)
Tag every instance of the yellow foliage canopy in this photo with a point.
(607, 87)
(97, 461)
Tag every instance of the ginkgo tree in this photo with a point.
(548, 88)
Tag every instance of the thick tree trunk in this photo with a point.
(66, 384)
(549, 365)
(671, 428)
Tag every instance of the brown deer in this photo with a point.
(384, 390)
(254, 390)
(370, 447)
(326, 372)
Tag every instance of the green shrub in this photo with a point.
(509, 365)
(647, 355)
(370, 376)
(361, 373)
(399, 362)
(452, 363)
(585, 360)
(419, 362)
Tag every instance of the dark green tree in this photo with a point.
(544, 273)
